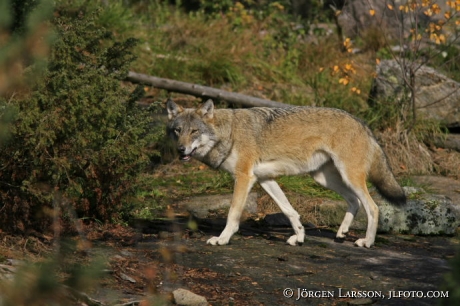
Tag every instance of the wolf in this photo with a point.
(259, 144)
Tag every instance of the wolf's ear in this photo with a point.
(173, 109)
(207, 109)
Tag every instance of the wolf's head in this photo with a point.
(191, 129)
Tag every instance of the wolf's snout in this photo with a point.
(183, 153)
(181, 149)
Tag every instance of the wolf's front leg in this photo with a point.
(243, 184)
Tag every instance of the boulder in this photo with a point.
(187, 298)
(437, 96)
(449, 141)
(424, 214)
(355, 18)
(203, 206)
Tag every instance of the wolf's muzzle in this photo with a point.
(183, 156)
(181, 150)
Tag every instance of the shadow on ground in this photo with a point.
(259, 268)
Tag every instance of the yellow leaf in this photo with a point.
(436, 9)
(372, 12)
(355, 90)
(390, 7)
(442, 39)
(437, 38)
(344, 81)
(377, 61)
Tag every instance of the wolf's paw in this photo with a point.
(217, 241)
(341, 234)
(295, 240)
(364, 242)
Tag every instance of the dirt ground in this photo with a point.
(145, 262)
(259, 268)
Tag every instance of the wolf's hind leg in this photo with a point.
(351, 185)
(328, 176)
(275, 192)
(372, 212)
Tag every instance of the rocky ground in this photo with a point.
(145, 263)
(258, 268)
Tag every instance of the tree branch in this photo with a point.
(201, 91)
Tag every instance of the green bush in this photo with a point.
(78, 140)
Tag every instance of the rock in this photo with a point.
(117, 258)
(440, 185)
(355, 18)
(7, 272)
(126, 253)
(202, 206)
(425, 214)
(127, 278)
(7, 268)
(187, 298)
(431, 87)
(15, 262)
(450, 141)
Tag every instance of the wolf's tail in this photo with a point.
(381, 176)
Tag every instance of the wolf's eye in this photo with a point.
(177, 130)
(194, 132)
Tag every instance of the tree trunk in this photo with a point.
(201, 91)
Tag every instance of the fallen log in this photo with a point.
(201, 91)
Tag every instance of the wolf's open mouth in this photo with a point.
(186, 157)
